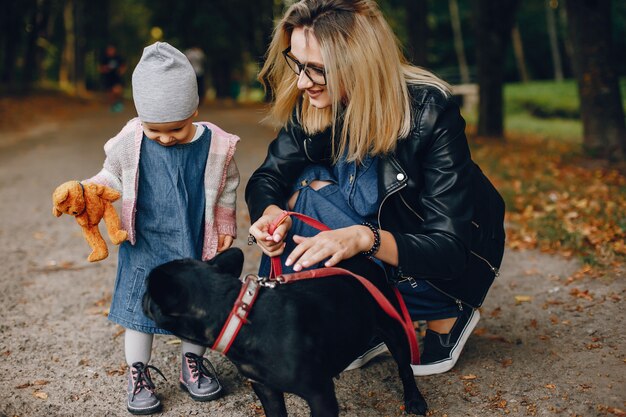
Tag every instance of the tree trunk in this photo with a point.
(68, 57)
(11, 38)
(417, 25)
(554, 42)
(40, 14)
(518, 49)
(79, 48)
(493, 20)
(455, 19)
(604, 130)
(569, 49)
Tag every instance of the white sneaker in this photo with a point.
(367, 356)
(441, 351)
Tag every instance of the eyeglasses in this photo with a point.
(315, 74)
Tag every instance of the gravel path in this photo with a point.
(545, 346)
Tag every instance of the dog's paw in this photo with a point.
(416, 406)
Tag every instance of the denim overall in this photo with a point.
(352, 198)
(169, 223)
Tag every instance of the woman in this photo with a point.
(375, 148)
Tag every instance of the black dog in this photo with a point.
(299, 336)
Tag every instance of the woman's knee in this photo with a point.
(315, 185)
(318, 184)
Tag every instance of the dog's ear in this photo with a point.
(230, 261)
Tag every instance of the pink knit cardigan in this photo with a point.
(221, 178)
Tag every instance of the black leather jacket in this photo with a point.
(446, 217)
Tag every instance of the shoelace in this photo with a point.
(198, 368)
(142, 378)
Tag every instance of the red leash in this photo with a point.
(277, 275)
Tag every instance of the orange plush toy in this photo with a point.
(89, 203)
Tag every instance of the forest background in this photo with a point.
(539, 81)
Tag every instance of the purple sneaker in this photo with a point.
(141, 397)
(199, 381)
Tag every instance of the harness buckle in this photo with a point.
(266, 282)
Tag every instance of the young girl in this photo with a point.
(178, 181)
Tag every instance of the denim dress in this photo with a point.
(169, 223)
(352, 198)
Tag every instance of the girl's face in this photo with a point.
(171, 133)
(306, 50)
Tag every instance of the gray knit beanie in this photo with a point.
(164, 85)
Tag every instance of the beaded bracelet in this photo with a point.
(376, 244)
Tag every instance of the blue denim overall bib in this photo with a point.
(352, 198)
(169, 223)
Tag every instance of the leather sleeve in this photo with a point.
(272, 181)
(441, 249)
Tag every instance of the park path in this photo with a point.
(546, 345)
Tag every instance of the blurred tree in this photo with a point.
(455, 19)
(226, 31)
(13, 22)
(602, 114)
(554, 43)
(38, 23)
(493, 20)
(417, 28)
(518, 49)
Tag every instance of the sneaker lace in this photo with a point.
(197, 365)
(141, 375)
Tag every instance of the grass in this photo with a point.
(546, 109)
(558, 200)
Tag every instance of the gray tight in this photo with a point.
(138, 347)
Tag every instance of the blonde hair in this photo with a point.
(363, 61)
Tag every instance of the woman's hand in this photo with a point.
(336, 245)
(272, 245)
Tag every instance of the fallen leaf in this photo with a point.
(519, 299)
(173, 342)
(480, 331)
(41, 395)
(24, 385)
(581, 294)
(40, 382)
(616, 411)
(550, 386)
(507, 362)
(468, 377)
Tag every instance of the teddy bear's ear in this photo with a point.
(58, 197)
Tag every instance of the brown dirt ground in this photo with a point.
(546, 345)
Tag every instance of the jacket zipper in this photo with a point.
(411, 280)
(495, 270)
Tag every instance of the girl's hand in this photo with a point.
(272, 245)
(224, 242)
(336, 244)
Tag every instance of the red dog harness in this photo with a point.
(253, 283)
